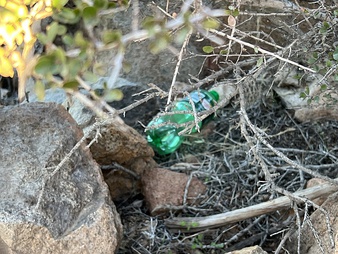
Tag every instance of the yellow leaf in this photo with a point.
(6, 69)
(19, 9)
(16, 59)
(39, 90)
(7, 16)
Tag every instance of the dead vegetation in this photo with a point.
(235, 179)
(254, 151)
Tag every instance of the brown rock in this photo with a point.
(122, 144)
(163, 188)
(123, 183)
(119, 143)
(314, 182)
(321, 243)
(317, 113)
(76, 214)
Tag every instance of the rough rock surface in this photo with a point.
(163, 188)
(75, 214)
(146, 67)
(123, 184)
(321, 242)
(119, 143)
(290, 89)
(125, 154)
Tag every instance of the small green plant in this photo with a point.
(197, 242)
(189, 225)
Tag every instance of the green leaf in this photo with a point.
(297, 76)
(235, 13)
(62, 29)
(223, 52)
(307, 90)
(89, 15)
(111, 36)
(101, 4)
(52, 31)
(181, 34)
(79, 40)
(208, 49)
(323, 87)
(302, 95)
(183, 223)
(73, 85)
(335, 12)
(150, 24)
(328, 64)
(325, 27)
(113, 95)
(51, 64)
(335, 54)
(210, 24)
(260, 61)
(159, 44)
(126, 67)
(68, 40)
(39, 89)
(90, 77)
(58, 4)
(60, 56)
(74, 66)
(46, 65)
(68, 16)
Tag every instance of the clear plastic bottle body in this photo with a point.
(165, 139)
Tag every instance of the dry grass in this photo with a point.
(225, 162)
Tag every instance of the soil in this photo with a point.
(222, 158)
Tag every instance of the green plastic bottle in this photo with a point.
(165, 139)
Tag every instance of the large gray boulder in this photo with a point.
(76, 214)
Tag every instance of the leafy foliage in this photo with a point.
(17, 37)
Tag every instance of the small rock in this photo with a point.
(289, 91)
(163, 188)
(123, 184)
(317, 113)
(314, 182)
(119, 143)
(249, 250)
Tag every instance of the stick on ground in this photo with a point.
(195, 224)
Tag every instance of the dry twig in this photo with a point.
(186, 224)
